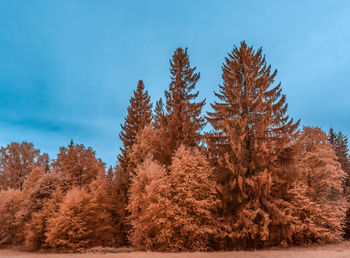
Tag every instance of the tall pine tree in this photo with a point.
(251, 145)
(139, 116)
(183, 121)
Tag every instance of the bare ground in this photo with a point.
(320, 251)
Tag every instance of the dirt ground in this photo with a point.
(319, 251)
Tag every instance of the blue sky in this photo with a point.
(69, 67)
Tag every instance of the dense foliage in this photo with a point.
(254, 180)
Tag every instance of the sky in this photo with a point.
(69, 67)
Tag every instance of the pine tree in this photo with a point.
(251, 144)
(139, 116)
(183, 121)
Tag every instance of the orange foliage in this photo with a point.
(10, 223)
(319, 200)
(175, 211)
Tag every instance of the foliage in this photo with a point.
(319, 200)
(174, 212)
(252, 148)
(78, 164)
(256, 181)
(182, 121)
(10, 225)
(148, 204)
(16, 162)
(139, 116)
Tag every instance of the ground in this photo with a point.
(319, 251)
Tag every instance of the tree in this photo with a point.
(16, 162)
(83, 219)
(10, 228)
(340, 146)
(139, 116)
(183, 121)
(194, 201)
(33, 178)
(148, 204)
(149, 142)
(78, 164)
(74, 167)
(253, 149)
(319, 200)
(174, 211)
(42, 201)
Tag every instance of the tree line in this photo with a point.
(256, 179)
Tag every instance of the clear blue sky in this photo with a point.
(69, 67)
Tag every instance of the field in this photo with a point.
(319, 251)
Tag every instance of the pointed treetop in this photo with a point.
(139, 115)
(183, 121)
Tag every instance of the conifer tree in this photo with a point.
(251, 145)
(183, 121)
(139, 116)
